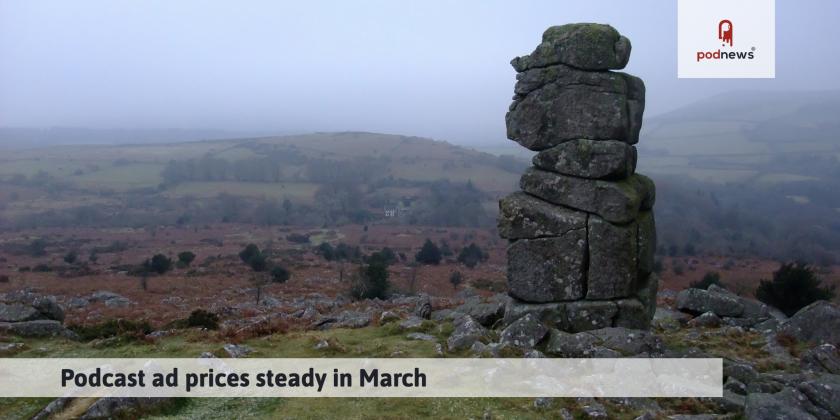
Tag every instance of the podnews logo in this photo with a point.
(725, 34)
(726, 39)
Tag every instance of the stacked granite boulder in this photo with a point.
(581, 231)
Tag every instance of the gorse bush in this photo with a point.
(794, 286)
(203, 319)
(113, 328)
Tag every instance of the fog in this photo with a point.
(434, 68)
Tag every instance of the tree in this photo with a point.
(249, 252)
(445, 250)
(794, 286)
(385, 256)
(429, 254)
(471, 255)
(326, 250)
(254, 258)
(159, 264)
(38, 248)
(456, 278)
(185, 258)
(370, 281)
(71, 257)
(709, 279)
(280, 274)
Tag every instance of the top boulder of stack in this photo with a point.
(585, 46)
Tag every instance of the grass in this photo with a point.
(385, 341)
(375, 341)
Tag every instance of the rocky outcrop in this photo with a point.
(817, 323)
(582, 232)
(29, 315)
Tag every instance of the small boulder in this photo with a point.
(822, 358)
(388, 316)
(698, 301)
(37, 328)
(563, 344)
(423, 308)
(412, 322)
(705, 320)
(525, 332)
(817, 323)
(486, 313)
(237, 350)
(18, 312)
(420, 336)
(823, 393)
(8, 349)
(467, 332)
(49, 308)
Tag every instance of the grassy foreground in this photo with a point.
(374, 341)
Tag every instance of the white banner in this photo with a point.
(361, 377)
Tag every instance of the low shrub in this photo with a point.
(113, 328)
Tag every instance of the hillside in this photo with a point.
(339, 176)
(764, 137)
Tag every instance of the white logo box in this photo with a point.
(704, 31)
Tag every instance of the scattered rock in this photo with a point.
(705, 320)
(526, 332)
(236, 350)
(823, 394)
(420, 336)
(18, 312)
(344, 319)
(817, 323)
(786, 404)
(388, 316)
(52, 409)
(467, 332)
(8, 349)
(822, 358)
(486, 313)
(412, 322)
(37, 328)
(321, 345)
(698, 301)
(592, 409)
(423, 309)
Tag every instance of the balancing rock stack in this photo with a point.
(581, 231)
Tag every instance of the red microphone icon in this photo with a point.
(725, 31)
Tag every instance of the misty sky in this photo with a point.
(432, 68)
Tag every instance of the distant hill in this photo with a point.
(27, 138)
(745, 136)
